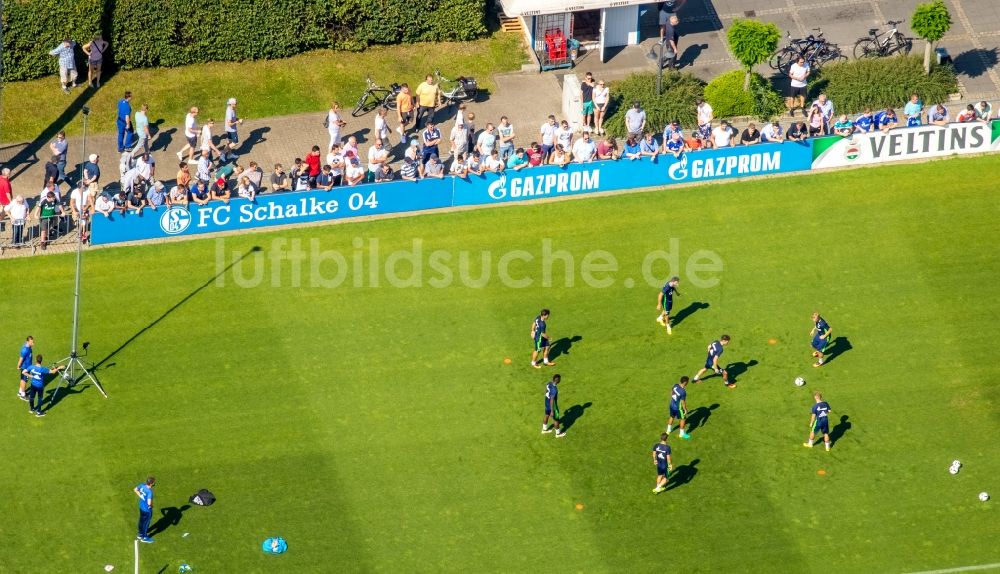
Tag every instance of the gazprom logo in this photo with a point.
(679, 170)
(526, 186)
(498, 189)
(725, 166)
(175, 220)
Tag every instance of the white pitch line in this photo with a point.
(995, 565)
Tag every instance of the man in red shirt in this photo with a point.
(6, 193)
(535, 155)
(313, 161)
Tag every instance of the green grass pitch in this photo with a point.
(379, 429)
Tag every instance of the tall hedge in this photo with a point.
(149, 33)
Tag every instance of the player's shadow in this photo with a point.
(562, 346)
(699, 417)
(571, 414)
(683, 474)
(737, 369)
(686, 312)
(842, 427)
(169, 516)
(160, 140)
(838, 347)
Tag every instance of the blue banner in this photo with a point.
(403, 196)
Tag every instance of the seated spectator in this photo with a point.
(354, 173)
(648, 147)
(325, 179)
(475, 163)
(178, 196)
(384, 173)
(584, 149)
(559, 156)
(984, 111)
(103, 205)
(772, 132)
(246, 189)
(865, 123)
(750, 135)
(458, 167)
(938, 115)
(156, 197)
(279, 180)
(518, 160)
(137, 199)
(844, 127)
(914, 111)
(434, 167)
(200, 194)
(220, 190)
(675, 145)
(734, 134)
(798, 132)
(967, 115)
(408, 170)
(722, 137)
(885, 120)
(632, 151)
(817, 127)
(120, 201)
(536, 155)
(607, 148)
(490, 163)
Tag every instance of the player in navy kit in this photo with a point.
(552, 407)
(819, 422)
(712, 361)
(24, 362)
(540, 339)
(665, 302)
(821, 338)
(661, 458)
(37, 373)
(678, 407)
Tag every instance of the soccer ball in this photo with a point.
(184, 568)
(984, 496)
(956, 463)
(799, 381)
(953, 470)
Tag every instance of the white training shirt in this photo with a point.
(704, 114)
(548, 133)
(721, 136)
(797, 71)
(190, 127)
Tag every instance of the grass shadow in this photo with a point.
(838, 347)
(699, 417)
(570, 415)
(169, 516)
(842, 427)
(562, 346)
(686, 312)
(737, 369)
(683, 474)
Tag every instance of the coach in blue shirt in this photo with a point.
(124, 121)
(37, 373)
(145, 493)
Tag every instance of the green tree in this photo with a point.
(930, 21)
(752, 42)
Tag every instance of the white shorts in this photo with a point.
(67, 75)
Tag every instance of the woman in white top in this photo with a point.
(334, 123)
(246, 189)
(559, 156)
(382, 128)
(601, 98)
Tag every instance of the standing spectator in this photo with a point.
(333, 124)
(190, 135)
(647, 147)
(459, 139)
(817, 125)
(798, 74)
(142, 131)
(207, 145)
(844, 126)
(705, 117)
(17, 211)
(914, 111)
(183, 174)
(671, 38)
(48, 212)
(408, 171)
(434, 168)
(204, 170)
(52, 171)
(675, 145)
(865, 122)
(826, 107)
(67, 63)
(584, 150)
(58, 148)
(413, 151)
(547, 133)
(335, 159)
(798, 132)
(772, 133)
(750, 135)
(431, 137)
(938, 115)
(602, 96)
(404, 110)
(232, 122)
(470, 125)
(81, 203)
(6, 191)
(635, 120)
(535, 155)
(886, 120)
(587, 99)
(382, 127)
(487, 141)
(313, 161)
(157, 196)
(145, 493)
(351, 146)
(668, 9)
(670, 129)
(255, 174)
(95, 50)
(984, 111)
(564, 136)
(505, 131)
(279, 179)
(50, 187)
(428, 95)
(377, 157)
(124, 121)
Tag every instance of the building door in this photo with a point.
(618, 29)
(587, 25)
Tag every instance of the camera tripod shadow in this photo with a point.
(52, 399)
(103, 363)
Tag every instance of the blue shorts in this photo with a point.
(819, 344)
(676, 412)
(822, 426)
(661, 470)
(541, 343)
(548, 407)
(667, 306)
(708, 362)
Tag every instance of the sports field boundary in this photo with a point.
(979, 567)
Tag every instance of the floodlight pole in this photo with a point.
(75, 370)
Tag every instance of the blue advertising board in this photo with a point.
(428, 194)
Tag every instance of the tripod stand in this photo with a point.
(75, 369)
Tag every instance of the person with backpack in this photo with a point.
(95, 50)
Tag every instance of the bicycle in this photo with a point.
(375, 96)
(878, 45)
(816, 50)
(784, 57)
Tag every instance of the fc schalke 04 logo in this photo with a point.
(175, 220)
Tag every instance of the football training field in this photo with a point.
(345, 387)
